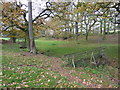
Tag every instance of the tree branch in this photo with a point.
(21, 28)
(8, 27)
(40, 15)
(24, 16)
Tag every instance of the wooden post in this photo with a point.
(73, 62)
(92, 58)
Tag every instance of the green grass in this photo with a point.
(4, 38)
(32, 71)
(112, 50)
(16, 76)
(12, 48)
(60, 48)
(98, 76)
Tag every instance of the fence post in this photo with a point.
(92, 58)
(73, 62)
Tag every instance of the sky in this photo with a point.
(38, 5)
(25, 1)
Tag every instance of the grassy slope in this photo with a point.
(60, 48)
(23, 72)
(29, 71)
(41, 77)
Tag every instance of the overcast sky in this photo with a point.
(38, 5)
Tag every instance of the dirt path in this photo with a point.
(56, 66)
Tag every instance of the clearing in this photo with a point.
(21, 69)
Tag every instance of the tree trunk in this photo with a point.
(32, 42)
(76, 31)
(115, 25)
(81, 28)
(27, 40)
(87, 31)
(94, 30)
(87, 35)
(104, 33)
(13, 39)
(76, 25)
(101, 28)
(108, 28)
(70, 30)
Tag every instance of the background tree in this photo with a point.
(14, 16)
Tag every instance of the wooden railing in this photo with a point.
(94, 57)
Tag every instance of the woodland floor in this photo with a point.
(25, 70)
(54, 64)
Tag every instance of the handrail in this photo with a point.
(86, 56)
(95, 49)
